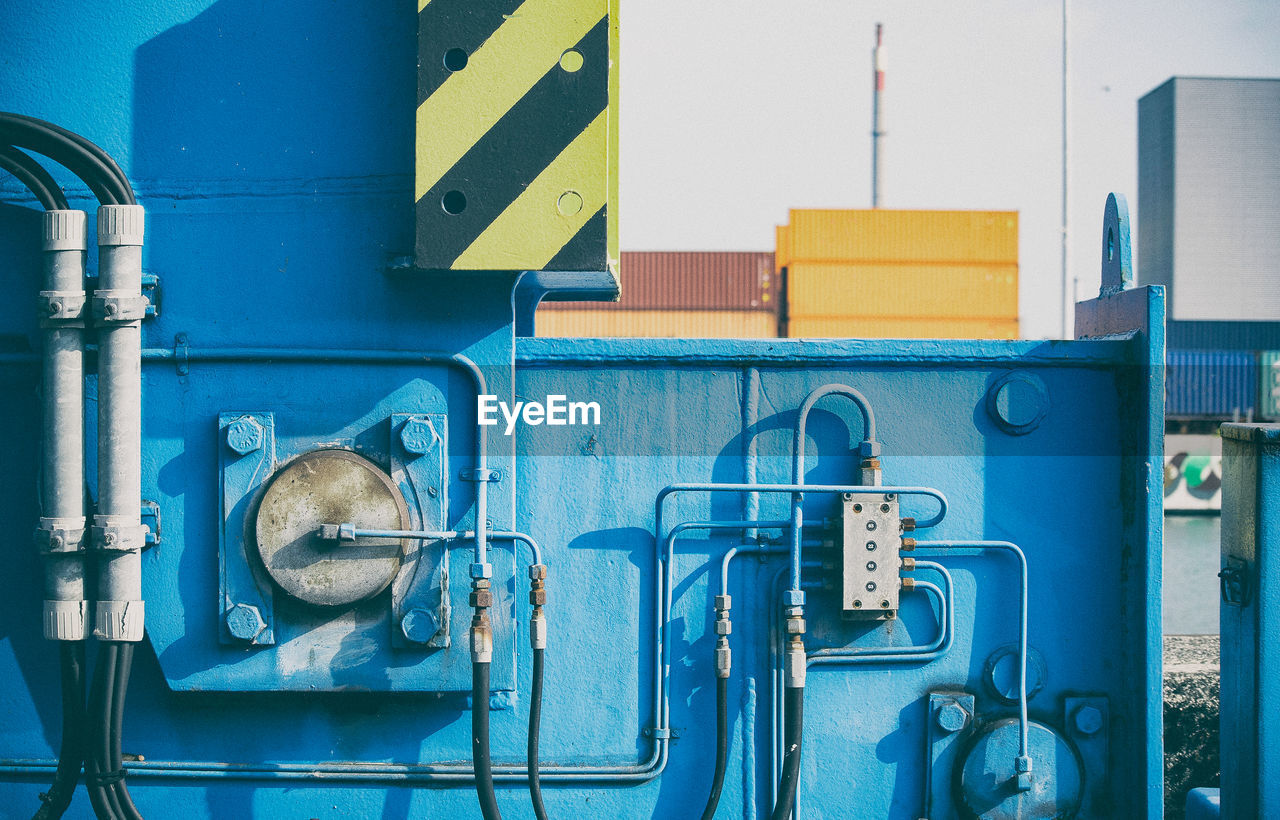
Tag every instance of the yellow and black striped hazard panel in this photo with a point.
(517, 135)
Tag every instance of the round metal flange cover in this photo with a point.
(330, 487)
(985, 781)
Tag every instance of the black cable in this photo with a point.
(722, 747)
(124, 664)
(42, 139)
(71, 755)
(97, 767)
(33, 175)
(535, 722)
(794, 713)
(108, 169)
(480, 741)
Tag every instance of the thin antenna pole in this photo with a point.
(877, 132)
(1068, 331)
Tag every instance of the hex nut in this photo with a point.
(537, 597)
(537, 572)
(481, 571)
(795, 626)
(869, 449)
(724, 661)
(481, 599)
(724, 602)
(951, 717)
(419, 625)
(793, 597)
(245, 435)
(418, 436)
(1088, 720)
(244, 622)
(724, 626)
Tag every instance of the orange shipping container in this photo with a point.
(822, 235)
(691, 324)
(907, 290)
(871, 327)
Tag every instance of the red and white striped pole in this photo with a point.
(877, 131)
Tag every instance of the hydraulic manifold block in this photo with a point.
(871, 555)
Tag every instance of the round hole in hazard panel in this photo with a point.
(571, 60)
(569, 203)
(455, 59)
(453, 202)
(330, 487)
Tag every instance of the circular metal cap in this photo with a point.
(330, 487)
(986, 780)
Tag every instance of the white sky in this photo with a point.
(734, 111)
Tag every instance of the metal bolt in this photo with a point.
(244, 622)
(857, 604)
(419, 625)
(110, 309)
(884, 604)
(857, 508)
(890, 496)
(951, 717)
(244, 435)
(1088, 720)
(109, 538)
(848, 496)
(871, 586)
(871, 546)
(56, 541)
(871, 525)
(871, 566)
(433, 492)
(418, 436)
(884, 508)
(54, 307)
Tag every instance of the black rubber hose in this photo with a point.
(722, 747)
(794, 706)
(65, 152)
(480, 761)
(124, 665)
(535, 723)
(71, 755)
(106, 167)
(97, 757)
(33, 175)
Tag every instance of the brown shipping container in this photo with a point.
(691, 324)
(874, 327)
(691, 280)
(907, 290)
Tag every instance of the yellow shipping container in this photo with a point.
(691, 324)
(880, 235)
(904, 290)
(874, 327)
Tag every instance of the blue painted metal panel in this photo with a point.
(1212, 383)
(1250, 620)
(271, 234)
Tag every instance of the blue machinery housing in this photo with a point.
(947, 553)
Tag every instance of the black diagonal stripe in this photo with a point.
(449, 24)
(588, 249)
(499, 167)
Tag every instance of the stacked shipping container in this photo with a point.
(697, 294)
(1222, 369)
(899, 274)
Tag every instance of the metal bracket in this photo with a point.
(108, 536)
(151, 520)
(420, 607)
(1088, 722)
(153, 293)
(951, 719)
(61, 308)
(477, 474)
(60, 535)
(1237, 590)
(118, 307)
(181, 355)
(243, 597)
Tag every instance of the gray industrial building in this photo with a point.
(1209, 197)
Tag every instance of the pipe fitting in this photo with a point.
(908, 544)
(723, 603)
(66, 620)
(482, 570)
(723, 626)
(724, 657)
(1022, 764)
(537, 572)
(481, 641)
(538, 630)
(793, 598)
(795, 663)
(119, 620)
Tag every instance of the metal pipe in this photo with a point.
(877, 129)
(1010, 547)
(62, 502)
(119, 536)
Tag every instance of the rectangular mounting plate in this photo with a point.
(517, 134)
(870, 554)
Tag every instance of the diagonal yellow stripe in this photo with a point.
(422, 4)
(542, 220)
(497, 75)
